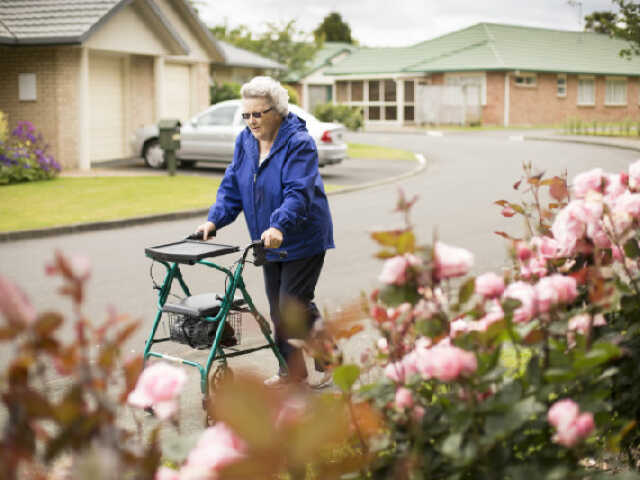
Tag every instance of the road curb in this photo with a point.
(128, 222)
(583, 142)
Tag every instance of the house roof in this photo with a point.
(322, 58)
(491, 46)
(239, 57)
(54, 22)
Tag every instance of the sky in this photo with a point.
(395, 23)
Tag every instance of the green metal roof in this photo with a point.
(322, 58)
(490, 46)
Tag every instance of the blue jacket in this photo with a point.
(285, 191)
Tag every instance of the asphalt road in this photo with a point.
(466, 173)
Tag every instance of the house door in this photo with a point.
(106, 99)
(178, 91)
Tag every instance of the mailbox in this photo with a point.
(169, 137)
(169, 134)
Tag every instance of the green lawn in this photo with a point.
(372, 152)
(72, 200)
(66, 200)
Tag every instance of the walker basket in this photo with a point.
(199, 333)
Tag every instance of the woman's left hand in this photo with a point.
(272, 238)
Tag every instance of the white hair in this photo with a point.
(266, 87)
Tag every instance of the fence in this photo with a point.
(448, 104)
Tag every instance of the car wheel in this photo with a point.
(187, 163)
(153, 155)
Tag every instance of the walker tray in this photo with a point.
(188, 251)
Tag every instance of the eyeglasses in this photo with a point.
(247, 116)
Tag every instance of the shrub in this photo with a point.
(4, 127)
(224, 91)
(293, 94)
(350, 117)
(24, 156)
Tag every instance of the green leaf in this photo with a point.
(394, 295)
(599, 353)
(345, 376)
(631, 248)
(466, 291)
(451, 445)
(558, 375)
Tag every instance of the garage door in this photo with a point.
(106, 129)
(177, 91)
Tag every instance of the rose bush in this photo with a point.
(514, 375)
(24, 156)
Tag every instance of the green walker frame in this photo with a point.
(193, 252)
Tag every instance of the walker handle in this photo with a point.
(199, 235)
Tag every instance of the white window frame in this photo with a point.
(559, 93)
(609, 93)
(580, 101)
(458, 78)
(527, 80)
(27, 91)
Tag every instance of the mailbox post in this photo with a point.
(169, 137)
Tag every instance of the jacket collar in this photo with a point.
(290, 125)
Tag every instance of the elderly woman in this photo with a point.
(274, 180)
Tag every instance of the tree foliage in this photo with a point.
(623, 24)
(285, 43)
(333, 29)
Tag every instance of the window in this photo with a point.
(218, 116)
(27, 86)
(525, 80)
(477, 80)
(342, 93)
(389, 91)
(616, 91)
(374, 113)
(357, 89)
(374, 91)
(586, 91)
(409, 100)
(561, 85)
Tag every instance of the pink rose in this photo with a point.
(508, 212)
(585, 182)
(527, 295)
(562, 413)
(580, 323)
(404, 398)
(165, 473)
(634, 175)
(410, 364)
(489, 285)
(451, 261)
(217, 447)
(395, 372)
(418, 413)
(616, 186)
(567, 287)
(535, 267)
(158, 386)
(569, 226)
(523, 251)
(585, 424)
(394, 271)
(546, 295)
(14, 304)
(546, 247)
(628, 203)
(571, 426)
(446, 363)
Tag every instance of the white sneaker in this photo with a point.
(324, 381)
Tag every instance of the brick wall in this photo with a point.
(54, 112)
(493, 111)
(541, 104)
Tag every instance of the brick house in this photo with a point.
(523, 76)
(87, 73)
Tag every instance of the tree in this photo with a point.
(333, 29)
(284, 43)
(623, 24)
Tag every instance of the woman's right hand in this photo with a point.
(206, 228)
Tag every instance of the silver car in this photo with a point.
(210, 137)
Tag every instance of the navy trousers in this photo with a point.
(290, 288)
